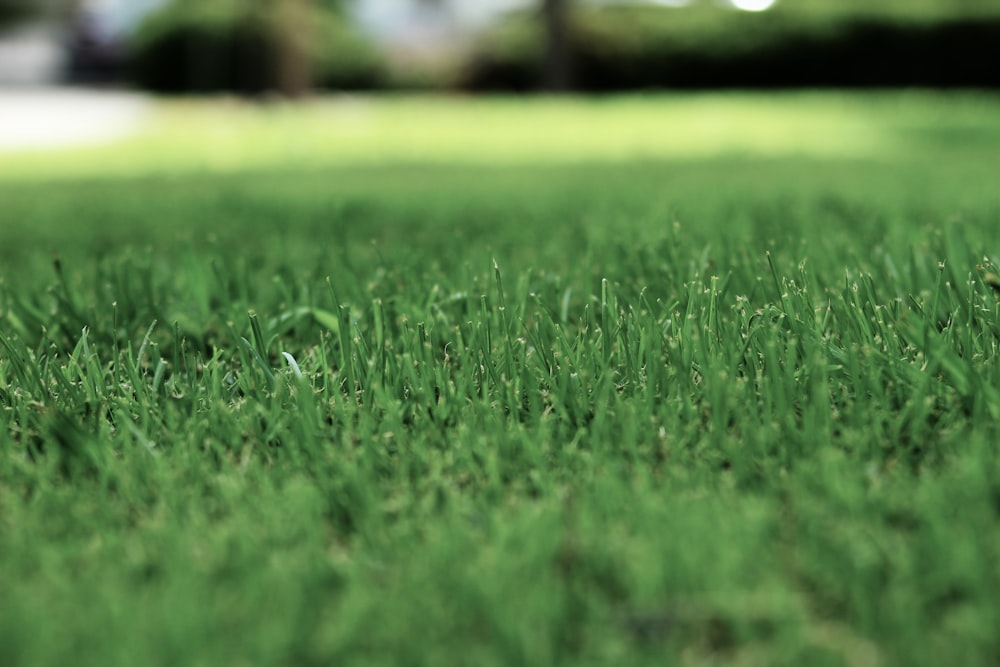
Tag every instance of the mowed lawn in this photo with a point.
(645, 380)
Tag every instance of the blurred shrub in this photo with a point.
(233, 45)
(12, 11)
(703, 46)
(345, 60)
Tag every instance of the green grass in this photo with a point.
(233, 137)
(574, 397)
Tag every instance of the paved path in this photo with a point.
(40, 118)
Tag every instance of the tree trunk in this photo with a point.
(557, 68)
(294, 42)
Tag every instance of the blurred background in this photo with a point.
(295, 47)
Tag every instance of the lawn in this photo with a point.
(644, 380)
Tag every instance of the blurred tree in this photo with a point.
(295, 32)
(289, 47)
(557, 72)
(294, 36)
(12, 11)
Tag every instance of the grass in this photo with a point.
(229, 136)
(605, 401)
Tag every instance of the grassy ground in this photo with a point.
(691, 380)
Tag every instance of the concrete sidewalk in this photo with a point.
(46, 118)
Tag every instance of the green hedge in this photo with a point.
(232, 45)
(12, 11)
(806, 44)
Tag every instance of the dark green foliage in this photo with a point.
(793, 45)
(231, 46)
(12, 11)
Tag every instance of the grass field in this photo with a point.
(631, 381)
